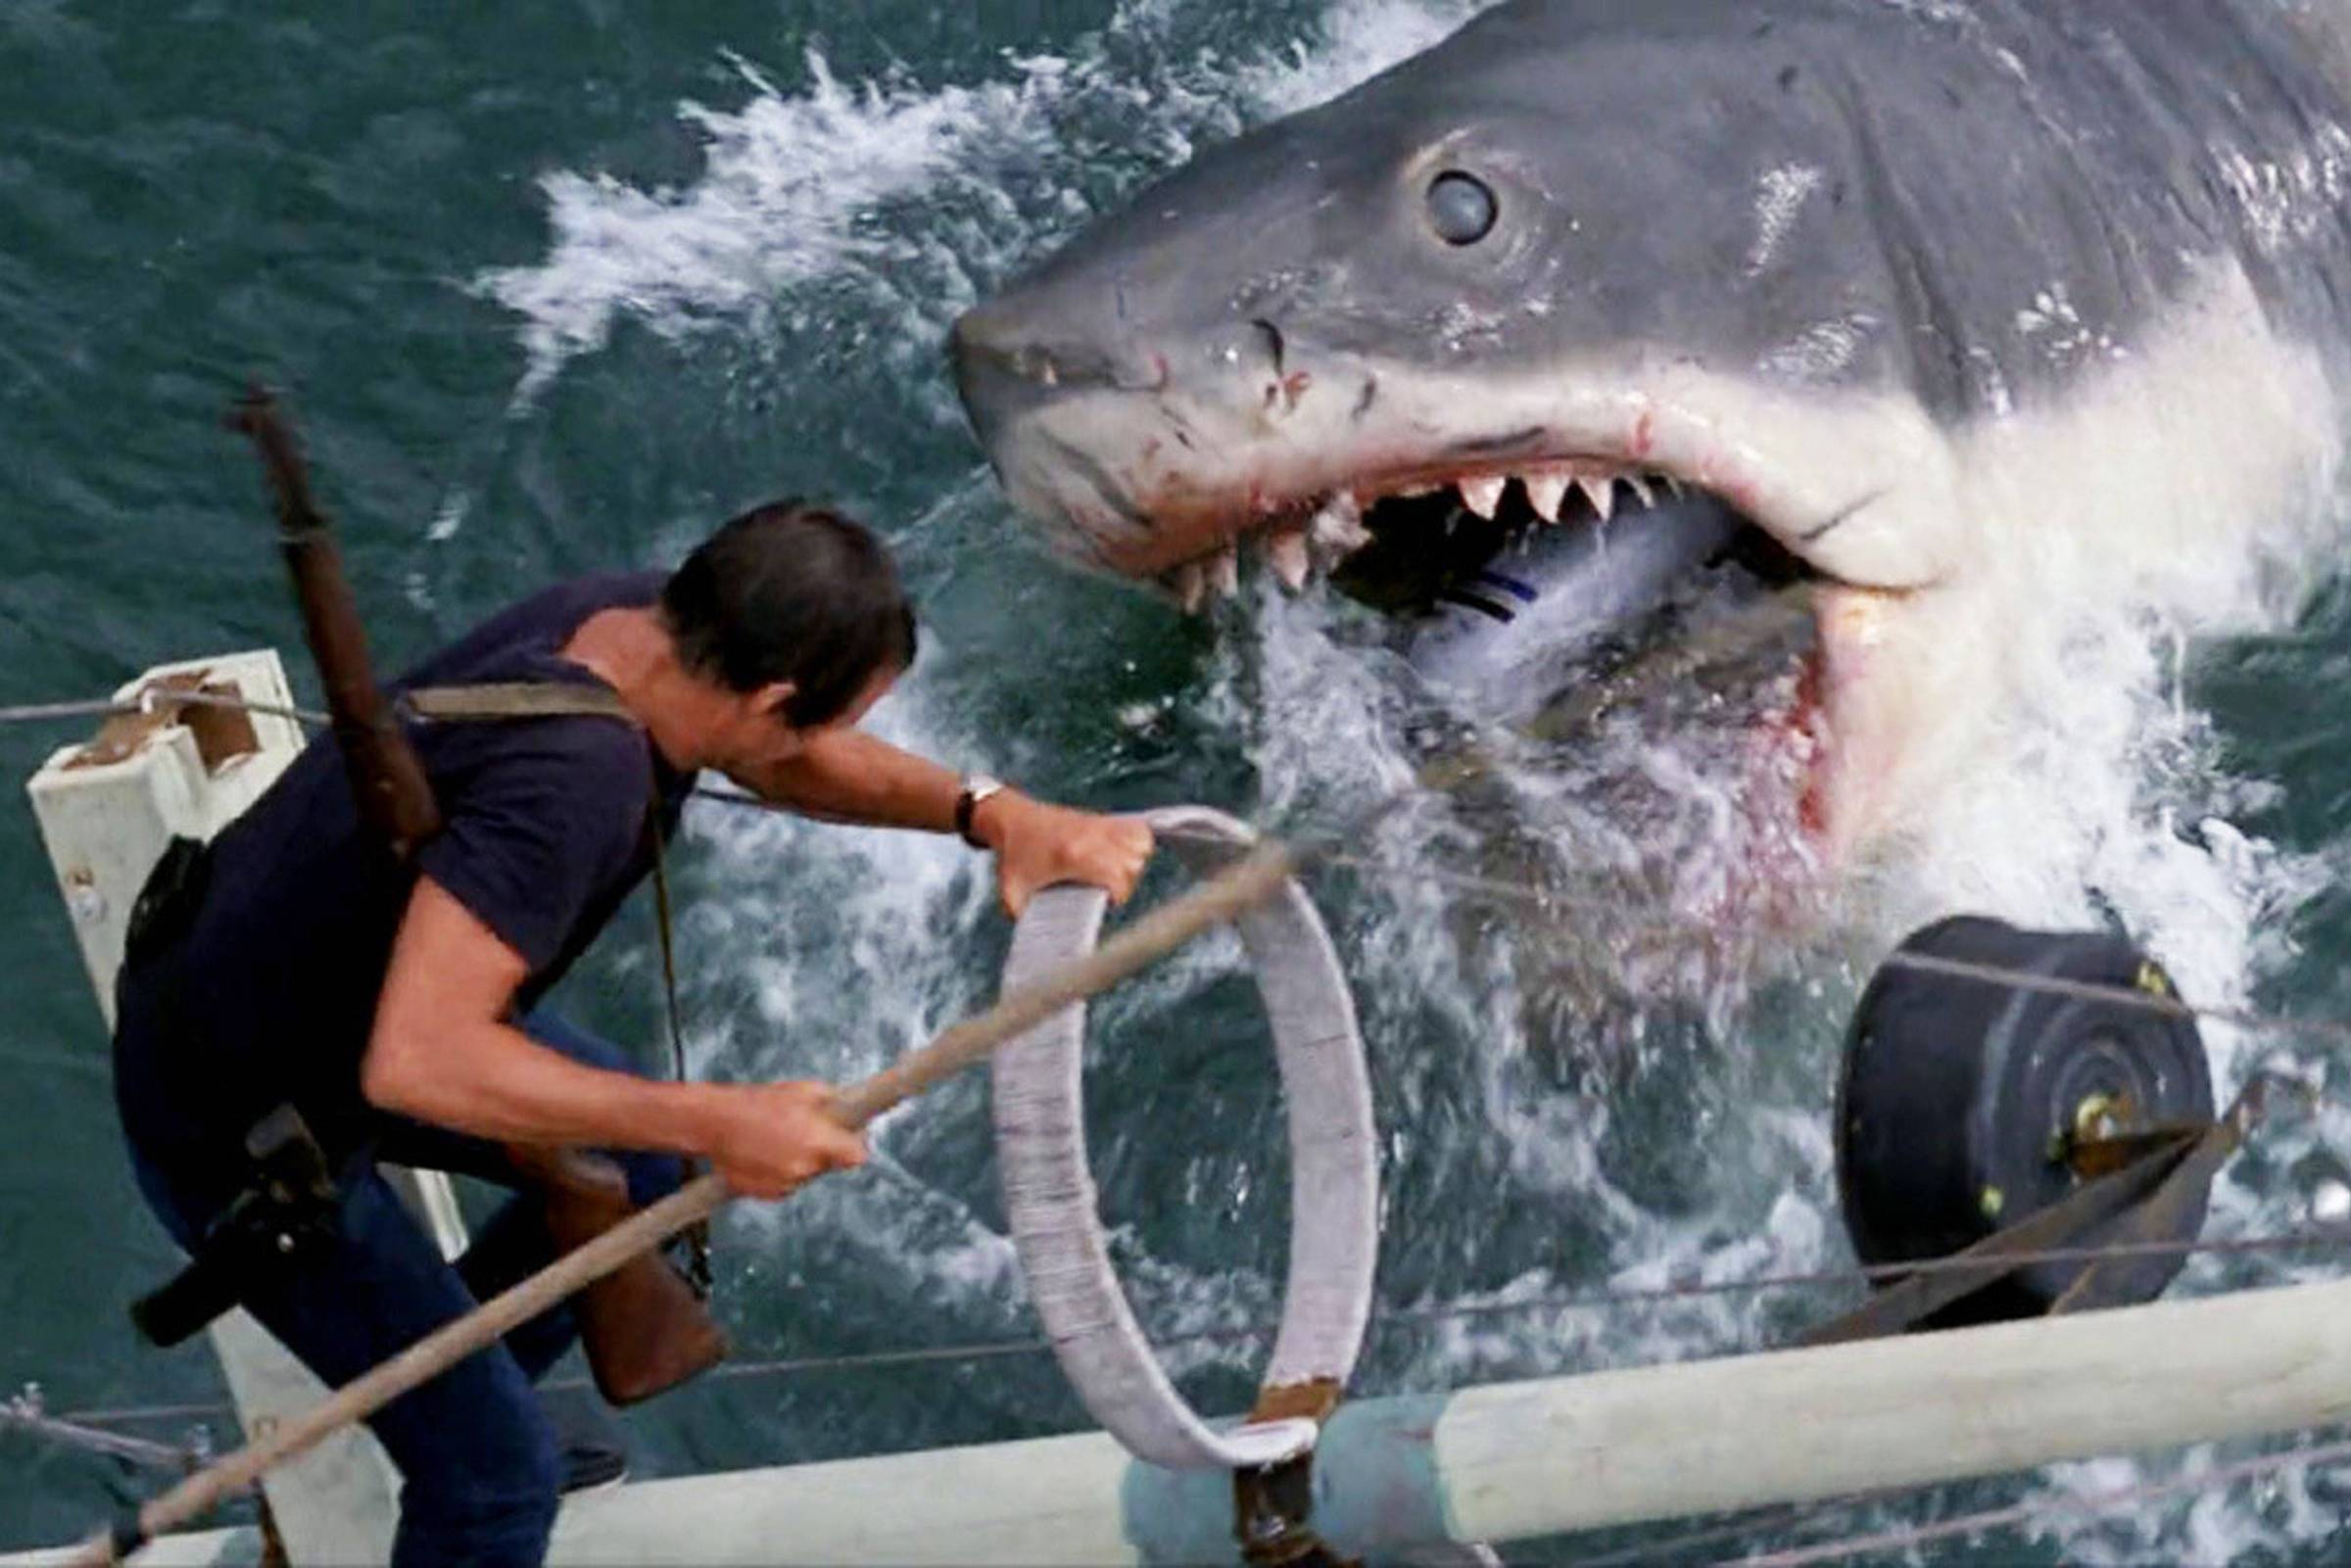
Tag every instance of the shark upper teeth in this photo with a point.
(1601, 491)
(1483, 496)
(1545, 493)
(1296, 550)
(1286, 553)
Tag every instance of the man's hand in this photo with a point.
(768, 1140)
(1037, 845)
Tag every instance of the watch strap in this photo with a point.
(976, 790)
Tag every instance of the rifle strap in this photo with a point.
(505, 701)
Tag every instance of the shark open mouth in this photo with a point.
(1625, 538)
(1560, 598)
(1375, 543)
(1612, 543)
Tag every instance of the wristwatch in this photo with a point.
(976, 786)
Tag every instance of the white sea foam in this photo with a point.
(792, 180)
(1357, 41)
(788, 179)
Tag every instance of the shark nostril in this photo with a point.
(984, 340)
(1037, 344)
(1034, 363)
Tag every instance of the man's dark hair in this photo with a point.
(790, 591)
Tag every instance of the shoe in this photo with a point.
(590, 1465)
(588, 1440)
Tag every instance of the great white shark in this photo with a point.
(1952, 299)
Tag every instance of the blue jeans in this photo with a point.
(477, 1455)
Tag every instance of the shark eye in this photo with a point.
(1462, 208)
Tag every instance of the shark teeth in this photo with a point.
(1483, 496)
(1547, 490)
(1195, 582)
(1547, 493)
(1296, 550)
(1601, 491)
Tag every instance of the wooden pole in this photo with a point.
(1217, 902)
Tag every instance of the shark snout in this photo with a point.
(1031, 351)
(1032, 343)
(1091, 417)
(1081, 335)
(1018, 357)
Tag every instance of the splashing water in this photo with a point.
(1569, 1101)
(786, 183)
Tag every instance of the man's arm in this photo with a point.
(442, 1053)
(847, 775)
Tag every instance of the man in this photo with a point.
(391, 1004)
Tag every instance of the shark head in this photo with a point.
(1874, 290)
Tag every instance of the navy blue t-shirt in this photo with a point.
(273, 994)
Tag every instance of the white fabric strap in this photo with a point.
(1049, 1189)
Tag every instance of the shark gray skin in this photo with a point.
(1932, 290)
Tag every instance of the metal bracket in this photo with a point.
(1270, 1512)
(1271, 1504)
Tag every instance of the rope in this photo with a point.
(2044, 1508)
(2337, 1031)
(1590, 1301)
(700, 1271)
(148, 701)
(203, 1410)
(40, 712)
(1676, 1549)
(26, 1412)
(1430, 1317)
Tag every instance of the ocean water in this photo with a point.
(553, 289)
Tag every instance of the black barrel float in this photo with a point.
(1966, 1105)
